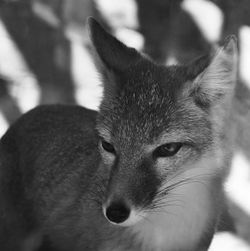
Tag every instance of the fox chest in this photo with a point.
(181, 224)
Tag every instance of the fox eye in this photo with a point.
(107, 147)
(167, 150)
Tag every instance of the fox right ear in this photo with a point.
(114, 54)
(217, 81)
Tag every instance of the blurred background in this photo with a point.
(46, 58)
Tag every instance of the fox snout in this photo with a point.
(130, 192)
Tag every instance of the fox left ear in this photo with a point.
(114, 55)
(218, 79)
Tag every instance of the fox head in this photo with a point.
(158, 123)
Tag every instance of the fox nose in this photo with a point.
(117, 212)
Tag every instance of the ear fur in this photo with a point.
(218, 79)
(114, 54)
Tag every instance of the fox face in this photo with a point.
(161, 130)
(149, 134)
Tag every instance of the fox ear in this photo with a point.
(114, 54)
(218, 78)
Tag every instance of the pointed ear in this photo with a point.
(218, 79)
(114, 54)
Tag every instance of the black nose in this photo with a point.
(117, 212)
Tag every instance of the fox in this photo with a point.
(145, 172)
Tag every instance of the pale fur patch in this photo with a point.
(220, 76)
(186, 213)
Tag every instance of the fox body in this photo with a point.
(144, 173)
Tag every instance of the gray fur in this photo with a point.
(56, 178)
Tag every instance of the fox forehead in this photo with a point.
(147, 132)
(149, 83)
(146, 104)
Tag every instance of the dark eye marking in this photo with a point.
(107, 146)
(167, 150)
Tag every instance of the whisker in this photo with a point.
(167, 197)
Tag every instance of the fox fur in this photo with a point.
(58, 177)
